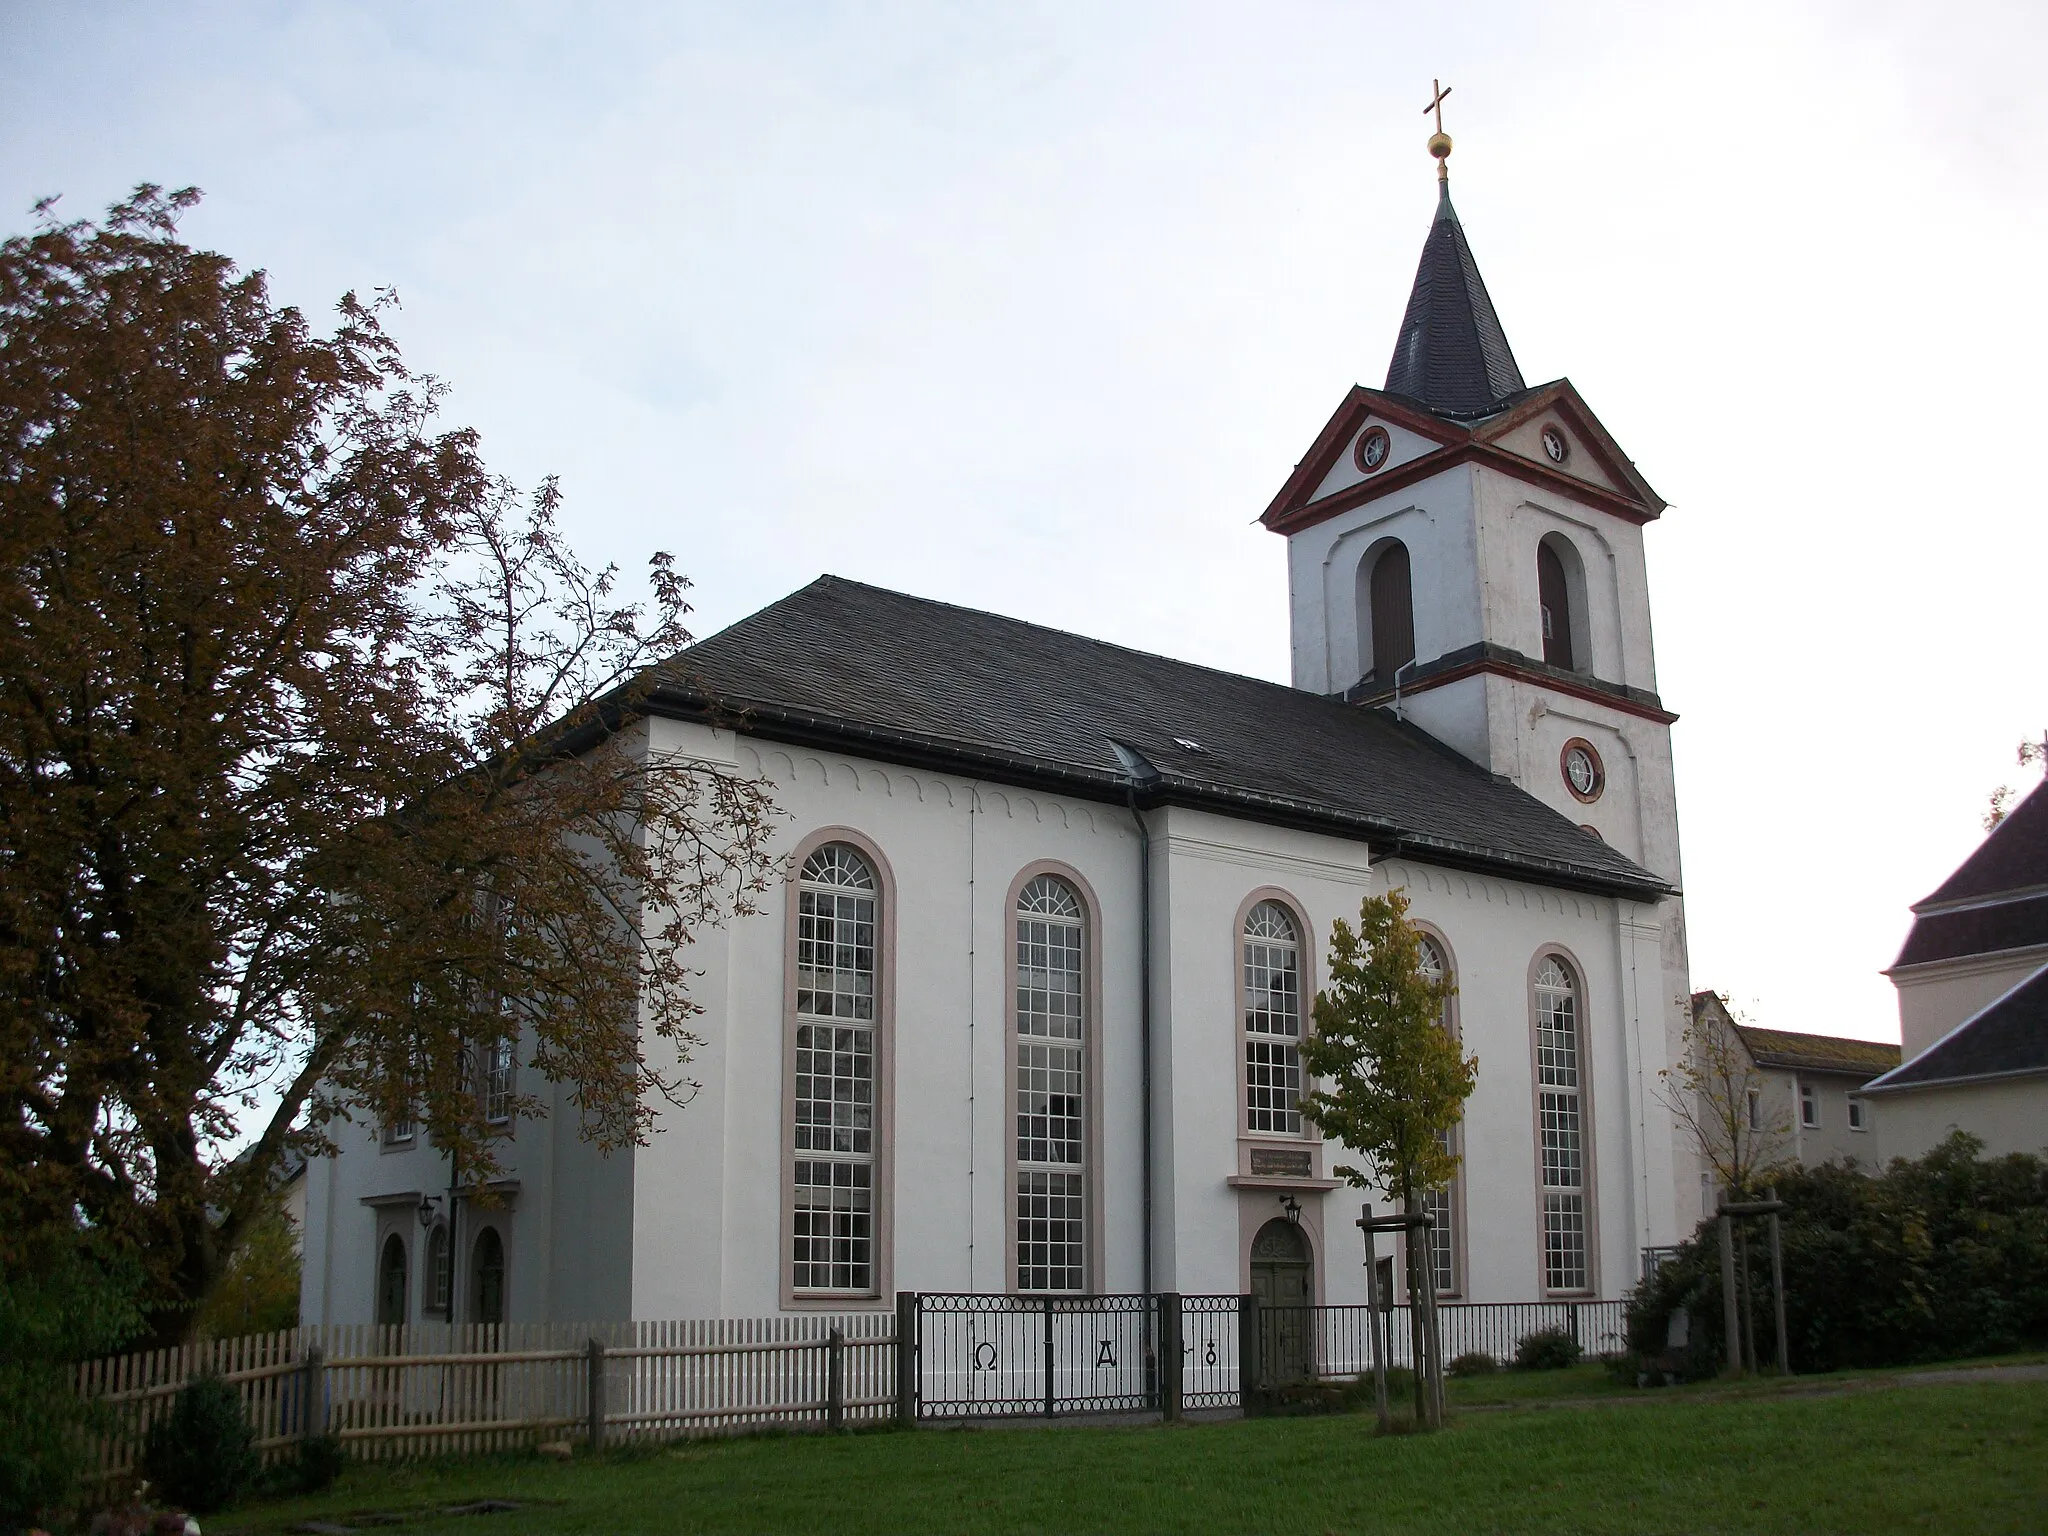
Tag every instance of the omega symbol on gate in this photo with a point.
(985, 1356)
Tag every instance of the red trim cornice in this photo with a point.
(1511, 464)
(1550, 680)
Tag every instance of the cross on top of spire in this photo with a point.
(1439, 142)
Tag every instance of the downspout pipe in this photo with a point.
(1138, 772)
(1145, 1017)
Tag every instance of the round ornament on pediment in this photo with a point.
(1556, 446)
(1372, 450)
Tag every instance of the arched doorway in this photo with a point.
(487, 1278)
(391, 1282)
(1283, 1280)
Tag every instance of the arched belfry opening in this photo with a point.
(1561, 601)
(1386, 611)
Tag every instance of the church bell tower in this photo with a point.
(1466, 551)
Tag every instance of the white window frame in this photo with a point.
(834, 1165)
(1271, 1019)
(1859, 1115)
(499, 1079)
(1564, 1126)
(1447, 1205)
(1809, 1107)
(1052, 1202)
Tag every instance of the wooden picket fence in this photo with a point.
(429, 1389)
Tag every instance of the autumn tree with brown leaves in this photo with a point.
(322, 772)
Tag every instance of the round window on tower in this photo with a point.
(1556, 446)
(1372, 449)
(1583, 774)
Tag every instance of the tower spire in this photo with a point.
(1452, 355)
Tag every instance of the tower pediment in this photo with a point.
(1547, 436)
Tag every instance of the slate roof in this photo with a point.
(2006, 1038)
(1997, 899)
(1452, 355)
(2013, 858)
(1784, 1049)
(904, 679)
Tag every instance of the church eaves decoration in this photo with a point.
(1452, 356)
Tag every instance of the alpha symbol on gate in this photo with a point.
(1104, 1355)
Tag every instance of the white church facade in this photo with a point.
(1023, 1015)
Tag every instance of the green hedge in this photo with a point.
(1935, 1259)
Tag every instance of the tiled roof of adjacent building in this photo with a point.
(903, 679)
(1452, 355)
(1817, 1053)
(1997, 899)
(2007, 1038)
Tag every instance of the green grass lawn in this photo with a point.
(1941, 1458)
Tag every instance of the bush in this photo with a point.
(1935, 1259)
(203, 1456)
(1547, 1349)
(58, 1305)
(1475, 1362)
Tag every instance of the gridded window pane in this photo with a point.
(835, 936)
(832, 1201)
(1049, 1242)
(1272, 1086)
(1272, 1020)
(498, 1081)
(1442, 1241)
(1272, 972)
(835, 1088)
(1051, 1145)
(1557, 1027)
(1048, 1103)
(1564, 1242)
(834, 1226)
(1563, 1166)
(1560, 1128)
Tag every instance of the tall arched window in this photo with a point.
(1386, 629)
(391, 1281)
(1561, 1129)
(1272, 1021)
(832, 1195)
(1051, 1135)
(1442, 1204)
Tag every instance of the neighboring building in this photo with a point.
(1804, 1088)
(1973, 1000)
(924, 1064)
(1798, 1094)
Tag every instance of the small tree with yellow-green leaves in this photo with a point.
(1391, 1081)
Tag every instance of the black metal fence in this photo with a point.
(967, 1356)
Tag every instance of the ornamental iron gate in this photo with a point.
(970, 1356)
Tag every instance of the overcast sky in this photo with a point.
(1032, 307)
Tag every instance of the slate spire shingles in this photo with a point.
(1452, 355)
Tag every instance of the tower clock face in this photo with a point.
(1555, 446)
(1583, 774)
(1373, 447)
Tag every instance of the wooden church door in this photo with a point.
(1282, 1280)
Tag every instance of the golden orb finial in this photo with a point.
(1439, 142)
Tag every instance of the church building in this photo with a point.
(1024, 1014)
